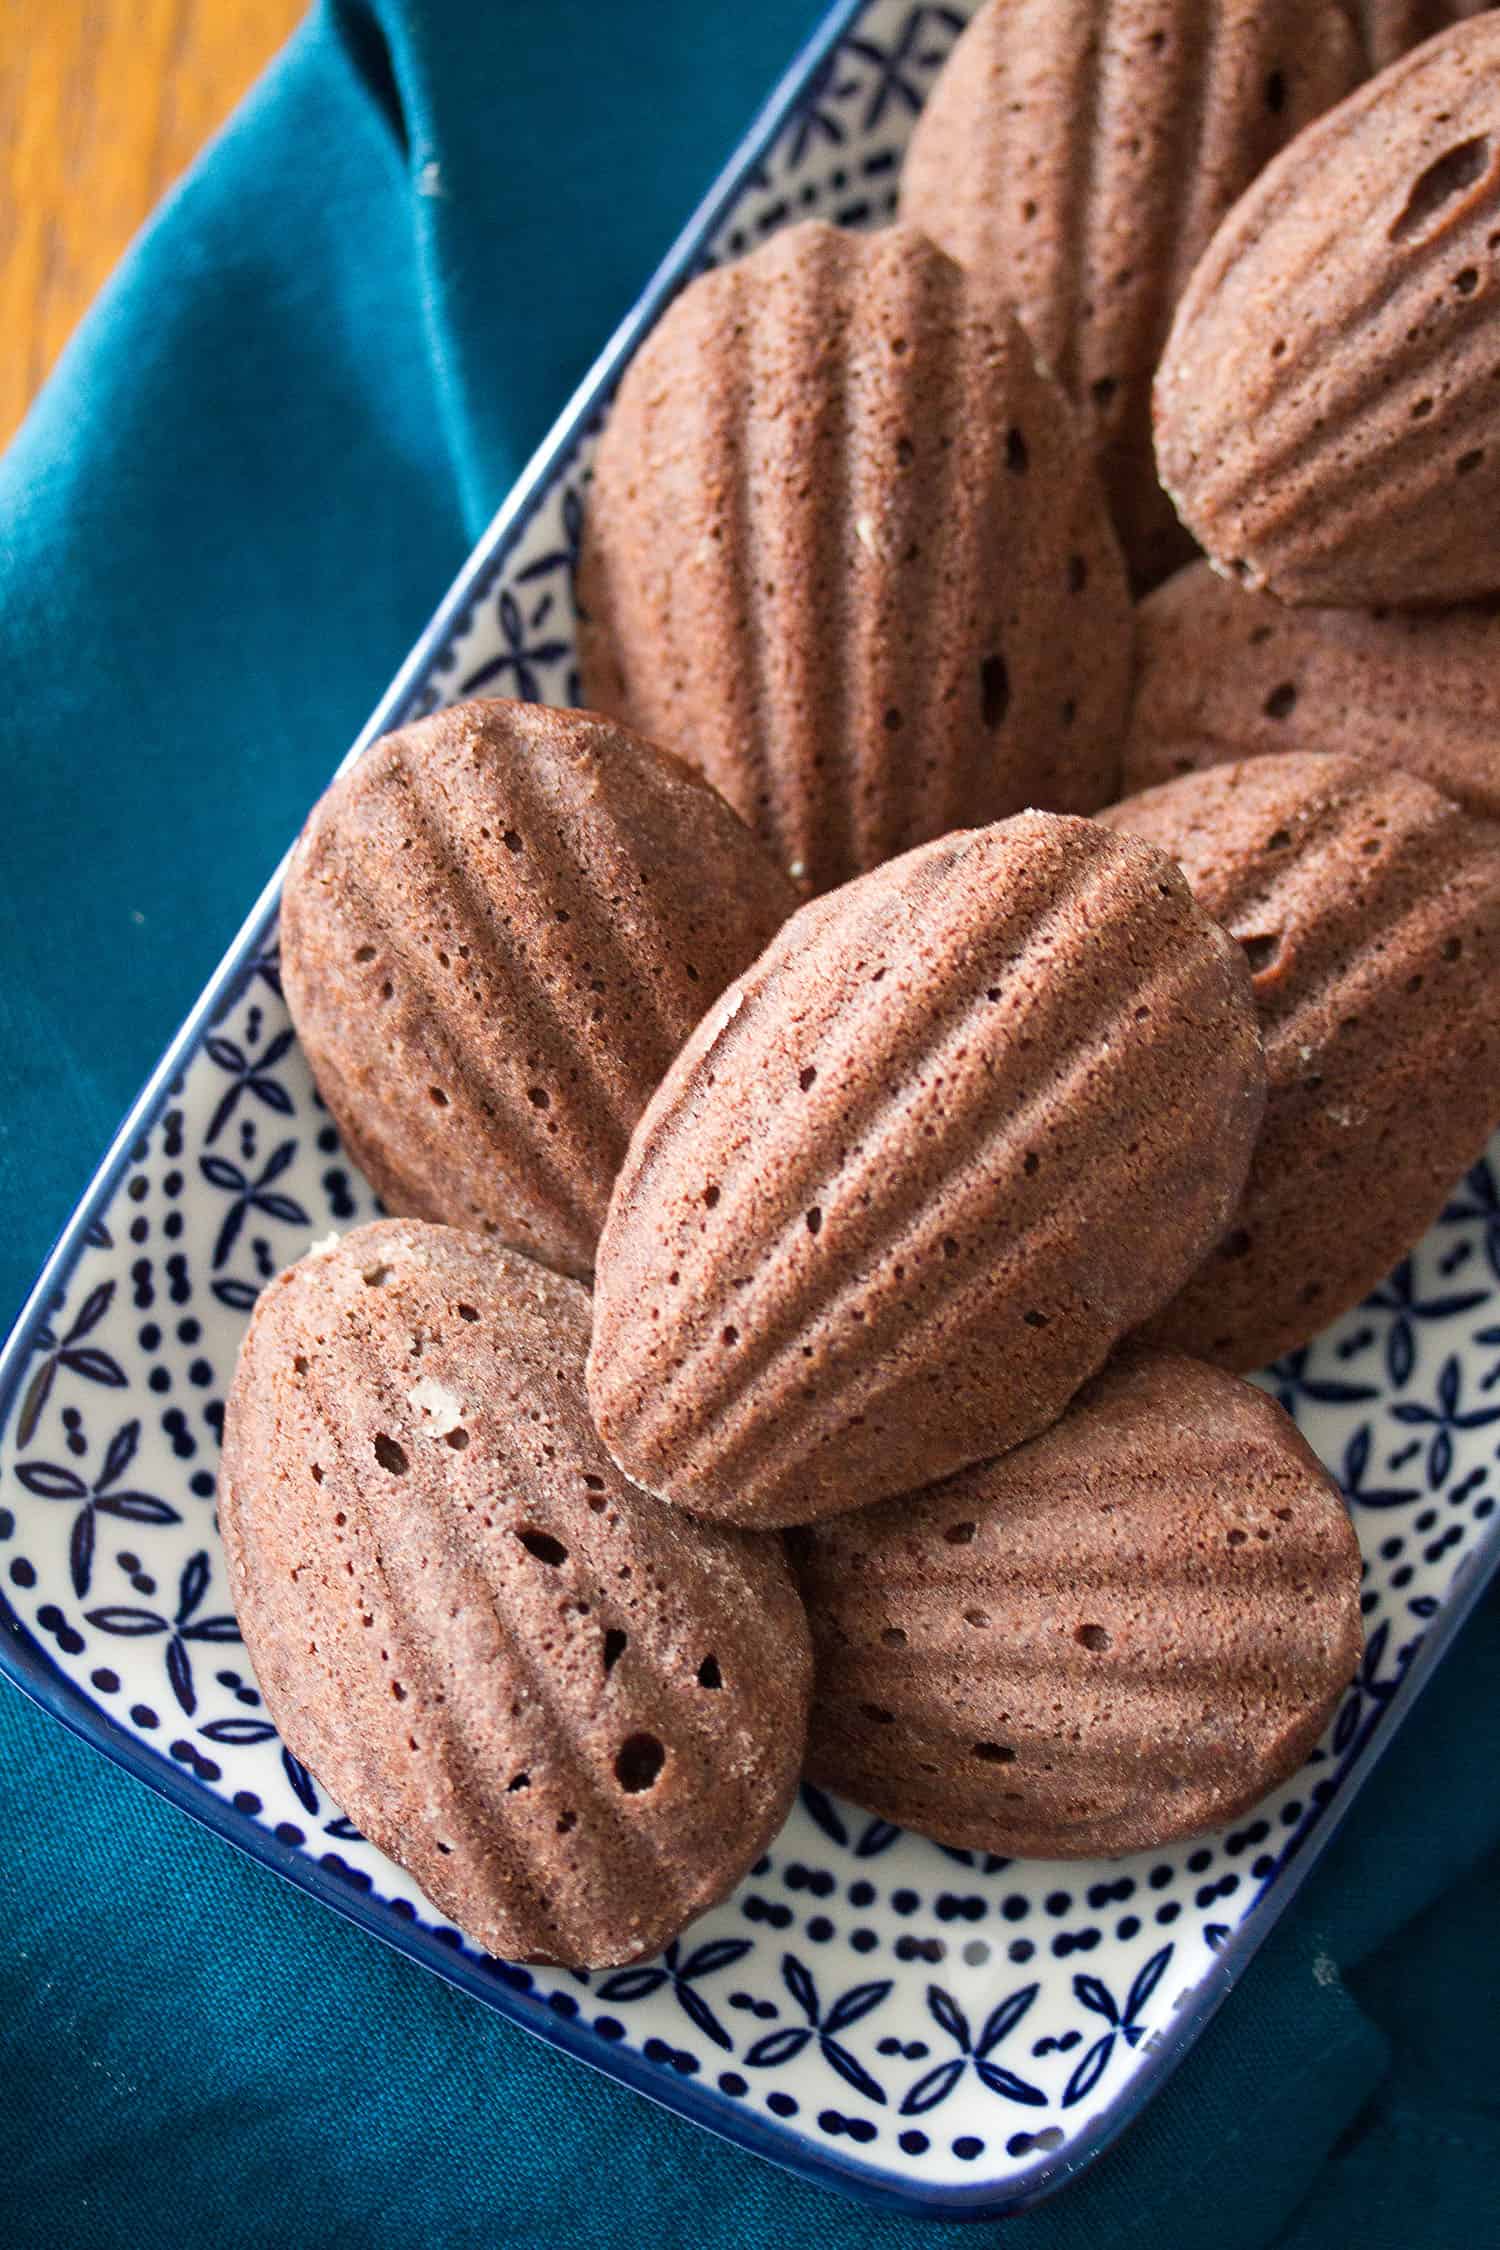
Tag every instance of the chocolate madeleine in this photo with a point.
(1223, 674)
(497, 930)
(1076, 155)
(845, 551)
(963, 1124)
(1325, 406)
(574, 1717)
(1125, 1632)
(1368, 907)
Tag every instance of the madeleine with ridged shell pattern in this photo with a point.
(574, 1717)
(1124, 1633)
(1076, 156)
(1223, 674)
(1368, 907)
(497, 929)
(845, 551)
(964, 1123)
(1326, 404)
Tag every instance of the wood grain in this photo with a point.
(102, 104)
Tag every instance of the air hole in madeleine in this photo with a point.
(542, 1544)
(638, 1763)
(1457, 170)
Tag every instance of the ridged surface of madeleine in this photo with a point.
(1390, 27)
(1326, 404)
(497, 929)
(1076, 156)
(1223, 674)
(1368, 907)
(845, 550)
(965, 1123)
(572, 1715)
(1123, 1633)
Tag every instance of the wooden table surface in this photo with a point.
(102, 104)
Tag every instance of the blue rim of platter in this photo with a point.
(24, 1661)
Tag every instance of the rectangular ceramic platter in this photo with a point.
(923, 2026)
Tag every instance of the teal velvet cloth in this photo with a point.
(228, 516)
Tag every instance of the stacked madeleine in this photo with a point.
(854, 1104)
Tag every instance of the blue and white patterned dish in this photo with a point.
(925, 2027)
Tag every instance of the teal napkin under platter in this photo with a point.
(227, 518)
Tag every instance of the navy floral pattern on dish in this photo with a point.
(249, 1073)
(1372, 1683)
(681, 1973)
(181, 1629)
(976, 2052)
(864, 1989)
(1445, 1417)
(865, 1838)
(1399, 1297)
(1479, 1199)
(822, 2028)
(73, 1352)
(1122, 2018)
(91, 1498)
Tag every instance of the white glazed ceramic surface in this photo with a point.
(925, 2025)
